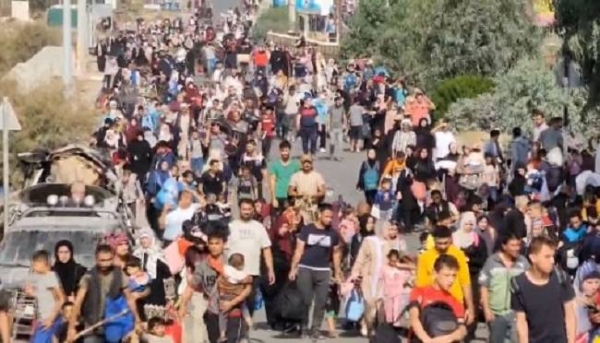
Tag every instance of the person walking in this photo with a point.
(543, 298)
(494, 283)
(317, 246)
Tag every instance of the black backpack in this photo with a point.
(385, 333)
(438, 319)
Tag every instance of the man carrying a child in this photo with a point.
(224, 316)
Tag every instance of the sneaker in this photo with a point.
(322, 150)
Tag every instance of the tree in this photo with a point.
(481, 37)
(529, 85)
(273, 19)
(578, 21)
(366, 26)
(429, 40)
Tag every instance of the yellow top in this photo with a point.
(425, 272)
(429, 242)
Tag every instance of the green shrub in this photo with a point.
(529, 85)
(449, 91)
(272, 19)
(21, 41)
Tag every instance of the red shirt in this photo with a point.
(267, 124)
(425, 296)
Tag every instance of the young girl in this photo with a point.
(332, 308)
(138, 278)
(396, 282)
(139, 282)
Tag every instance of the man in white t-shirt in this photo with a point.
(443, 138)
(250, 238)
(171, 220)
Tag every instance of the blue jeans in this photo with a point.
(503, 328)
(42, 335)
(309, 139)
(211, 64)
(493, 193)
(197, 164)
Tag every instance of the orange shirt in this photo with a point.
(260, 59)
(418, 111)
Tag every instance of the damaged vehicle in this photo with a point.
(69, 164)
(43, 220)
(45, 211)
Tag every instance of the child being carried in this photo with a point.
(230, 285)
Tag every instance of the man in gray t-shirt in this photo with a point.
(355, 116)
(336, 125)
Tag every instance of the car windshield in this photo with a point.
(18, 247)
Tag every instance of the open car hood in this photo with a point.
(69, 164)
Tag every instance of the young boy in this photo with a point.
(433, 325)
(45, 287)
(384, 199)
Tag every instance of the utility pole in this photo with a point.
(67, 48)
(82, 37)
(292, 14)
(338, 20)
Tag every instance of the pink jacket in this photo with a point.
(393, 281)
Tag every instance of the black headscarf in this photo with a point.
(69, 272)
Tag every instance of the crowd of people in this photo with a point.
(201, 123)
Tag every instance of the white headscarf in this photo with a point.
(464, 239)
(154, 252)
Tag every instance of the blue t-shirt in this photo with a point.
(319, 245)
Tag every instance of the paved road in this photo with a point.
(341, 177)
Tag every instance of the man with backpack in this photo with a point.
(435, 314)
(543, 298)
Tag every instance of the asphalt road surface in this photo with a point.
(340, 177)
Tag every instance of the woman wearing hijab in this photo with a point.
(368, 267)
(473, 245)
(425, 138)
(366, 224)
(283, 238)
(368, 176)
(153, 263)
(69, 272)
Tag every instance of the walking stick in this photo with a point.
(99, 324)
